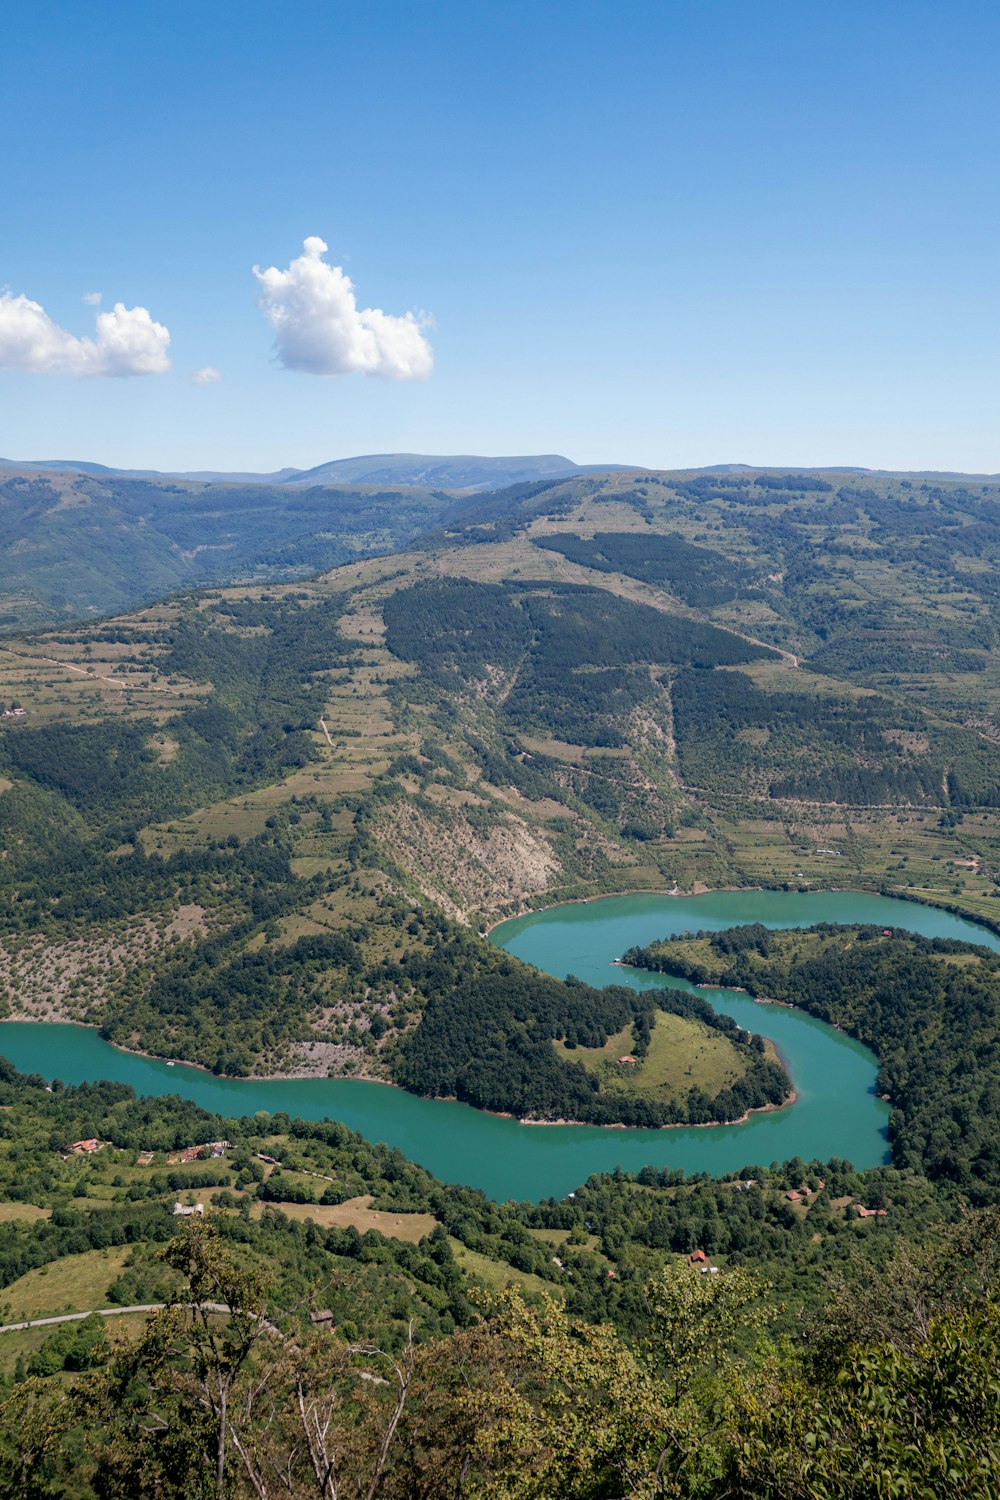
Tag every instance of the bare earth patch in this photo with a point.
(464, 867)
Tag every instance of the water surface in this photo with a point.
(836, 1114)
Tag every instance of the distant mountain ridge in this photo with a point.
(103, 471)
(400, 470)
(457, 471)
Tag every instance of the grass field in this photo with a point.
(13, 1213)
(495, 1274)
(682, 1055)
(77, 1283)
(357, 1213)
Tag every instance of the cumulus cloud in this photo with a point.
(320, 329)
(127, 342)
(209, 375)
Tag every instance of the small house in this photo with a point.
(697, 1257)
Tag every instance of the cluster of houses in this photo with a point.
(185, 1210)
(14, 713)
(803, 1194)
(146, 1158)
(194, 1153)
(701, 1263)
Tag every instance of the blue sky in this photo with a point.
(673, 233)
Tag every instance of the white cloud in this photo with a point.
(207, 376)
(92, 298)
(319, 328)
(128, 342)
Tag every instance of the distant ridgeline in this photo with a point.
(122, 541)
(928, 1007)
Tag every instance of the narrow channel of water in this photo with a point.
(836, 1113)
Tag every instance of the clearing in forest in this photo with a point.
(683, 1054)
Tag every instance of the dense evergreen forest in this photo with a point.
(584, 660)
(695, 574)
(821, 747)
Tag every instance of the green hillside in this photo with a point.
(261, 826)
(75, 544)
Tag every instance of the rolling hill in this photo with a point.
(269, 808)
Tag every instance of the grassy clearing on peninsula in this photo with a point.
(682, 1055)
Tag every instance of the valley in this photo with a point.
(532, 820)
(595, 685)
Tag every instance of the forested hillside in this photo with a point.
(74, 545)
(349, 1305)
(241, 825)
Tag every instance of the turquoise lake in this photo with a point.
(836, 1113)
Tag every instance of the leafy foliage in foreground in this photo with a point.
(526, 1403)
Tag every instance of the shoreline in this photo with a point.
(759, 1109)
(265, 1078)
(720, 890)
(21, 1019)
(537, 911)
(497, 1114)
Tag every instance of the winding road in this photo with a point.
(106, 1312)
